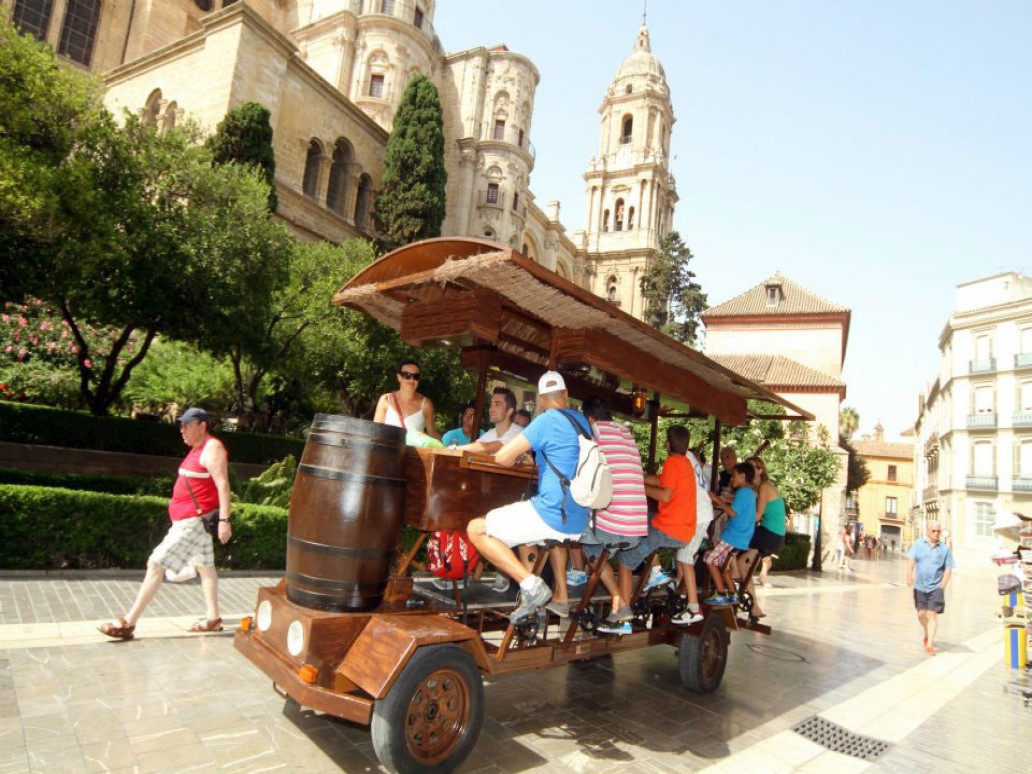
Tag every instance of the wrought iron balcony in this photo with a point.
(1023, 360)
(984, 366)
(981, 421)
(892, 516)
(1022, 419)
(1022, 484)
(987, 483)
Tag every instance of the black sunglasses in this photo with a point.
(409, 375)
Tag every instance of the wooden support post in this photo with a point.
(585, 600)
(654, 422)
(406, 560)
(484, 362)
(715, 465)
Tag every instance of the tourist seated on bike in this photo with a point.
(736, 535)
(673, 525)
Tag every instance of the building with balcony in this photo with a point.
(973, 449)
(332, 73)
(884, 501)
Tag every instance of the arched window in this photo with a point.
(612, 289)
(152, 109)
(169, 117)
(33, 17)
(628, 89)
(605, 220)
(310, 181)
(365, 192)
(79, 31)
(337, 190)
(627, 129)
(618, 220)
(630, 218)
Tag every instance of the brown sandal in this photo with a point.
(119, 629)
(204, 625)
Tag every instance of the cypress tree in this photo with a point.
(244, 136)
(411, 204)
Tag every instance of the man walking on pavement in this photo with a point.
(202, 487)
(933, 562)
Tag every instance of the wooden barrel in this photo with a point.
(346, 511)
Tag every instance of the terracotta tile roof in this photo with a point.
(872, 447)
(776, 372)
(794, 299)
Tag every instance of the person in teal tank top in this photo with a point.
(769, 537)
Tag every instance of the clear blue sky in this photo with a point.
(877, 152)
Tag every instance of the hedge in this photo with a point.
(158, 486)
(30, 424)
(51, 528)
(795, 553)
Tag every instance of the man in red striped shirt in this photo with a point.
(625, 520)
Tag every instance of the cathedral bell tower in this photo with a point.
(630, 191)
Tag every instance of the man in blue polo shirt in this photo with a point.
(552, 514)
(933, 562)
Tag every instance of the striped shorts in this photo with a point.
(186, 543)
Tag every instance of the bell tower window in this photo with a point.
(619, 220)
(627, 130)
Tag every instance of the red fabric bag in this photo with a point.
(450, 555)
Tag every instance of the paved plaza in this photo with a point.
(846, 648)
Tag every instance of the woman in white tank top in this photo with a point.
(406, 408)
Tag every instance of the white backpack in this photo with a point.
(592, 482)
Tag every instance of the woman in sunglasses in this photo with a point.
(406, 408)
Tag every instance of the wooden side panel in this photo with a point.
(473, 314)
(445, 491)
(380, 653)
(605, 351)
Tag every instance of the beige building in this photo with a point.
(332, 73)
(793, 342)
(973, 450)
(883, 503)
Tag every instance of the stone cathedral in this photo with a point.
(332, 73)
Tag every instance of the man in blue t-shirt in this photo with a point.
(933, 562)
(552, 513)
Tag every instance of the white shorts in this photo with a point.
(688, 553)
(519, 523)
(187, 542)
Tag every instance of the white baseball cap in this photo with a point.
(551, 381)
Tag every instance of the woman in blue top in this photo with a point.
(769, 538)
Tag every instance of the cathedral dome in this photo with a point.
(641, 64)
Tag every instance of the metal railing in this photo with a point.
(1023, 360)
(988, 483)
(977, 421)
(399, 9)
(987, 365)
(1022, 483)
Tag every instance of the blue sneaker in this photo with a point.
(656, 579)
(576, 577)
(616, 628)
(717, 600)
(732, 599)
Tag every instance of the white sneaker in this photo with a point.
(686, 617)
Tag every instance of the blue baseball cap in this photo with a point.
(195, 415)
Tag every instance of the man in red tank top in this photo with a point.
(202, 487)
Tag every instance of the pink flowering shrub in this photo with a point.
(39, 355)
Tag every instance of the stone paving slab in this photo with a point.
(847, 648)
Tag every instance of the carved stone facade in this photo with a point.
(332, 73)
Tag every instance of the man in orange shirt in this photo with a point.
(673, 525)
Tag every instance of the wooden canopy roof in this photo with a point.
(518, 318)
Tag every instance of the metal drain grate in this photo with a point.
(837, 739)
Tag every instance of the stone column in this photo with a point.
(324, 177)
(57, 15)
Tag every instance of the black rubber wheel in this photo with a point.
(430, 719)
(701, 660)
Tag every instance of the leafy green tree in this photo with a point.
(176, 374)
(43, 108)
(857, 472)
(674, 300)
(411, 204)
(849, 421)
(244, 136)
